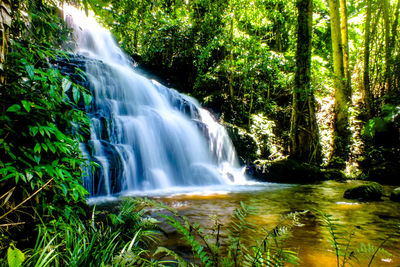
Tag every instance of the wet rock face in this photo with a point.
(395, 195)
(369, 191)
(73, 66)
(244, 143)
(115, 159)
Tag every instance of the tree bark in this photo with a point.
(392, 45)
(5, 24)
(304, 136)
(345, 42)
(386, 21)
(341, 134)
(366, 88)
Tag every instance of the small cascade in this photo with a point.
(144, 136)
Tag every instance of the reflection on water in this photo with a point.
(371, 222)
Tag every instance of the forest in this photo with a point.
(287, 111)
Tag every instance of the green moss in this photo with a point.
(370, 191)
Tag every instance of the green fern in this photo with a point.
(239, 224)
(341, 242)
(188, 234)
(269, 250)
(371, 251)
(167, 252)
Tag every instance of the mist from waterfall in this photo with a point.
(145, 136)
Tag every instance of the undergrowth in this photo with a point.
(131, 238)
(341, 240)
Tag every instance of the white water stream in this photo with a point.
(144, 136)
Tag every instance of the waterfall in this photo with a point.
(144, 136)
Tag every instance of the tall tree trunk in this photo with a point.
(341, 134)
(231, 62)
(366, 88)
(5, 23)
(392, 44)
(375, 69)
(387, 73)
(304, 137)
(345, 43)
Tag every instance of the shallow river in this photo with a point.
(371, 222)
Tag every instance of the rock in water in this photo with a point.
(395, 196)
(370, 191)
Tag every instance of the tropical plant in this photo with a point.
(208, 248)
(42, 124)
(341, 241)
(123, 239)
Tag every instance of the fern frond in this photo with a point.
(185, 230)
(167, 252)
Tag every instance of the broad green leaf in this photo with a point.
(44, 147)
(14, 108)
(76, 94)
(15, 257)
(87, 99)
(64, 189)
(30, 70)
(66, 84)
(34, 130)
(37, 159)
(27, 105)
(37, 148)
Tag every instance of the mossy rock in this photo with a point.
(395, 195)
(334, 174)
(286, 171)
(370, 191)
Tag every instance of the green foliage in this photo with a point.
(42, 125)
(100, 242)
(239, 50)
(207, 247)
(15, 257)
(341, 242)
(340, 239)
(389, 114)
(42, 129)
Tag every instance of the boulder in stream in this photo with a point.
(285, 171)
(395, 195)
(369, 191)
(334, 174)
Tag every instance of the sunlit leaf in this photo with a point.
(14, 108)
(15, 257)
(30, 70)
(76, 94)
(66, 84)
(27, 105)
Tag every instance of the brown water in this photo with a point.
(371, 222)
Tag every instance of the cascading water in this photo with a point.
(145, 136)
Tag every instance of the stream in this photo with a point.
(149, 140)
(371, 222)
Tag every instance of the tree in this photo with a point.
(366, 83)
(390, 40)
(345, 42)
(5, 23)
(385, 8)
(304, 137)
(341, 138)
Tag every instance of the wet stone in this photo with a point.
(395, 195)
(369, 191)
